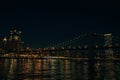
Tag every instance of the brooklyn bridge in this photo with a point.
(85, 46)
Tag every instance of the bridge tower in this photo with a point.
(108, 43)
(91, 55)
(91, 46)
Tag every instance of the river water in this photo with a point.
(58, 69)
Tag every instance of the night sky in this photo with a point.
(45, 23)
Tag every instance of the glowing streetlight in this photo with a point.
(4, 40)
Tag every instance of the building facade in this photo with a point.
(15, 40)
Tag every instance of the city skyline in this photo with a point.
(15, 35)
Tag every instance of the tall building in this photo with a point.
(15, 40)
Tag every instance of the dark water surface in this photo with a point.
(58, 69)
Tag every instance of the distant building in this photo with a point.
(15, 40)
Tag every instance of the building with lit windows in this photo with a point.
(15, 40)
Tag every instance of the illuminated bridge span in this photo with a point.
(79, 48)
(84, 41)
(87, 45)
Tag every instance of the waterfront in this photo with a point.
(58, 69)
(95, 57)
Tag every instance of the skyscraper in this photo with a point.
(15, 40)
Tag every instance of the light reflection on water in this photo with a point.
(57, 69)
